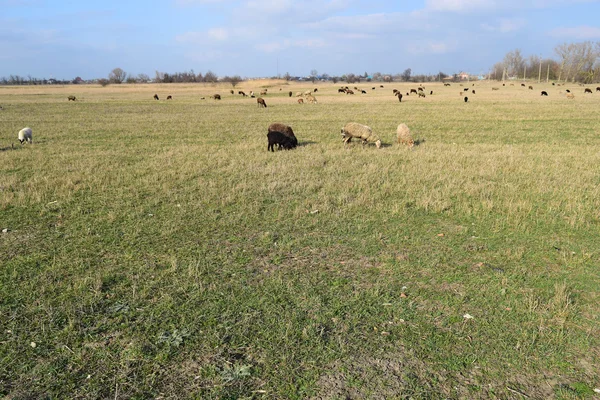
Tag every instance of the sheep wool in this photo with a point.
(358, 131)
(285, 129)
(25, 134)
(404, 136)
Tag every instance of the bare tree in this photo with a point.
(287, 76)
(406, 74)
(234, 80)
(514, 62)
(117, 75)
(143, 78)
(313, 75)
(210, 77)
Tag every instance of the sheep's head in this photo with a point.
(378, 144)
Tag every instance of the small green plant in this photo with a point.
(174, 338)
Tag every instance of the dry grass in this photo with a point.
(159, 248)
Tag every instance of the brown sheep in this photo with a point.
(315, 91)
(71, 98)
(544, 93)
(169, 97)
(399, 96)
(413, 91)
(231, 91)
(263, 93)
(421, 94)
(395, 91)
(530, 87)
(349, 91)
(290, 93)
(587, 90)
(155, 97)
(217, 97)
(341, 90)
(300, 101)
(260, 102)
(404, 136)
(495, 88)
(522, 84)
(570, 96)
(286, 130)
(380, 86)
(598, 89)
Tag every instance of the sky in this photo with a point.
(263, 38)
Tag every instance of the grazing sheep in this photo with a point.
(380, 86)
(300, 101)
(495, 88)
(587, 90)
(544, 93)
(570, 96)
(290, 93)
(530, 87)
(430, 93)
(395, 91)
(285, 129)
(373, 88)
(473, 91)
(553, 83)
(413, 91)
(252, 96)
(504, 84)
(568, 91)
(315, 91)
(522, 84)
(466, 99)
(260, 102)
(263, 93)
(465, 89)
(169, 97)
(308, 92)
(217, 97)
(311, 99)
(363, 91)
(598, 89)
(278, 138)
(404, 136)
(420, 89)
(407, 94)
(231, 91)
(399, 96)
(71, 98)
(25, 135)
(447, 84)
(363, 132)
(355, 88)
(242, 93)
(341, 90)
(298, 94)
(155, 97)
(421, 94)
(349, 91)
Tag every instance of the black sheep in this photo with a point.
(278, 138)
(155, 97)
(544, 93)
(466, 99)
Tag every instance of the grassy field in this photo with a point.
(155, 249)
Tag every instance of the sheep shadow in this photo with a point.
(11, 147)
(306, 143)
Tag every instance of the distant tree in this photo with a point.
(117, 75)
(143, 78)
(351, 78)
(287, 76)
(131, 79)
(335, 79)
(406, 74)
(210, 77)
(234, 80)
(514, 62)
(377, 76)
(103, 82)
(313, 75)
(77, 80)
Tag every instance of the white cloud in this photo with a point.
(578, 32)
(459, 5)
(218, 34)
(505, 25)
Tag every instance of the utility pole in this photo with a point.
(524, 72)
(548, 73)
(540, 74)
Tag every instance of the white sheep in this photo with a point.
(363, 132)
(404, 136)
(25, 135)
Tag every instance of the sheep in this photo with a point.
(300, 101)
(420, 89)
(465, 89)
(495, 88)
(230, 91)
(587, 90)
(413, 91)
(544, 93)
(261, 102)
(404, 136)
(421, 94)
(315, 90)
(447, 84)
(242, 93)
(570, 96)
(355, 88)
(363, 91)
(263, 93)
(286, 130)
(380, 86)
(298, 94)
(522, 84)
(290, 93)
(155, 97)
(71, 98)
(431, 93)
(530, 87)
(568, 91)
(311, 99)
(25, 135)
(363, 132)
(251, 93)
(504, 84)
(399, 97)
(466, 99)
(278, 138)
(169, 97)
(307, 92)
(349, 91)
(395, 91)
(473, 91)
(373, 88)
(341, 90)
(598, 89)
(217, 97)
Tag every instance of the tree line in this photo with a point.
(575, 62)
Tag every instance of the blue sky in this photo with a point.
(252, 38)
